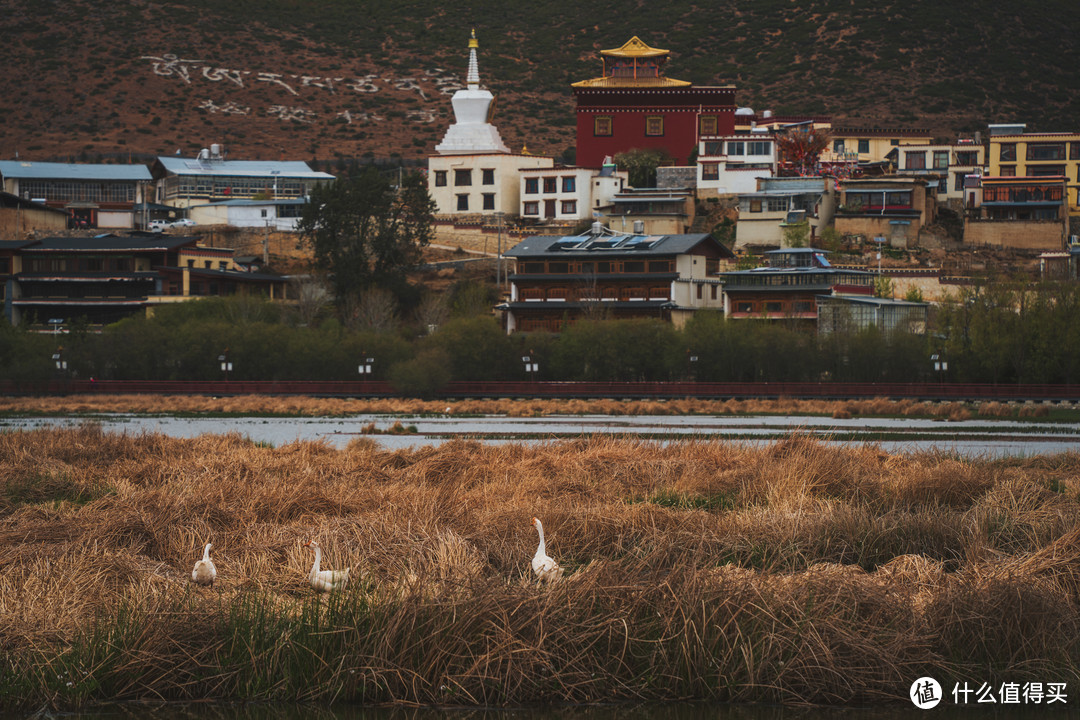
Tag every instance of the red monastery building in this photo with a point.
(634, 106)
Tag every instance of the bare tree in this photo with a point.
(312, 295)
(432, 311)
(373, 309)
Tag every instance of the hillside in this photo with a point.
(93, 80)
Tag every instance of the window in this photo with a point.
(569, 183)
(634, 266)
(714, 147)
(1008, 152)
(654, 125)
(531, 208)
(758, 148)
(223, 265)
(838, 146)
(1046, 151)
(462, 177)
(1074, 151)
(440, 178)
(697, 286)
(532, 186)
(707, 125)
(462, 202)
(710, 171)
(1044, 170)
(550, 185)
(894, 143)
(489, 201)
(569, 207)
(532, 268)
(558, 268)
(744, 307)
(755, 206)
(802, 306)
(958, 183)
(736, 148)
(712, 291)
(487, 177)
(941, 159)
(602, 125)
(262, 213)
(773, 307)
(778, 204)
(660, 266)
(1008, 170)
(915, 160)
(967, 157)
(864, 146)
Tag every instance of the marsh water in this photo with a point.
(970, 438)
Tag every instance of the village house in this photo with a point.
(19, 217)
(279, 215)
(789, 286)
(1015, 153)
(732, 164)
(92, 195)
(106, 278)
(872, 146)
(569, 194)
(185, 182)
(894, 208)
(606, 274)
(1029, 213)
(780, 203)
(949, 164)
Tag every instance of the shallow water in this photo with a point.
(969, 438)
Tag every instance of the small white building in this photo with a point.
(731, 165)
(569, 194)
(280, 215)
(475, 172)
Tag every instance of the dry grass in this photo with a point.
(311, 406)
(793, 572)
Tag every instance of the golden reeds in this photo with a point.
(792, 572)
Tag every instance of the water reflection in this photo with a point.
(971, 438)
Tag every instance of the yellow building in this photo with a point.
(872, 145)
(1038, 155)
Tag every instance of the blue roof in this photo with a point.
(71, 171)
(249, 168)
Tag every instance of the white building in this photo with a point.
(731, 165)
(474, 171)
(952, 163)
(279, 215)
(569, 194)
(184, 182)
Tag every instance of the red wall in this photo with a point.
(680, 109)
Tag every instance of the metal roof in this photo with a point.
(26, 170)
(592, 245)
(242, 202)
(113, 243)
(245, 168)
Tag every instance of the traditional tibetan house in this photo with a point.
(106, 278)
(789, 287)
(603, 274)
(633, 105)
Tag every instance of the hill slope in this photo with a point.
(90, 79)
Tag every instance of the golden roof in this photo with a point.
(623, 82)
(634, 47)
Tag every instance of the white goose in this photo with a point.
(545, 567)
(204, 572)
(325, 580)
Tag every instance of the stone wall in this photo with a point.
(1017, 234)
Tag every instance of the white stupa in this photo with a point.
(471, 132)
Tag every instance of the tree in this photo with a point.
(799, 151)
(641, 164)
(367, 234)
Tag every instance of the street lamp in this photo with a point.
(941, 366)
(58, 358)
(56, 323)
(879, 240)
(365, 366)
(531, 367)
(226, 365)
